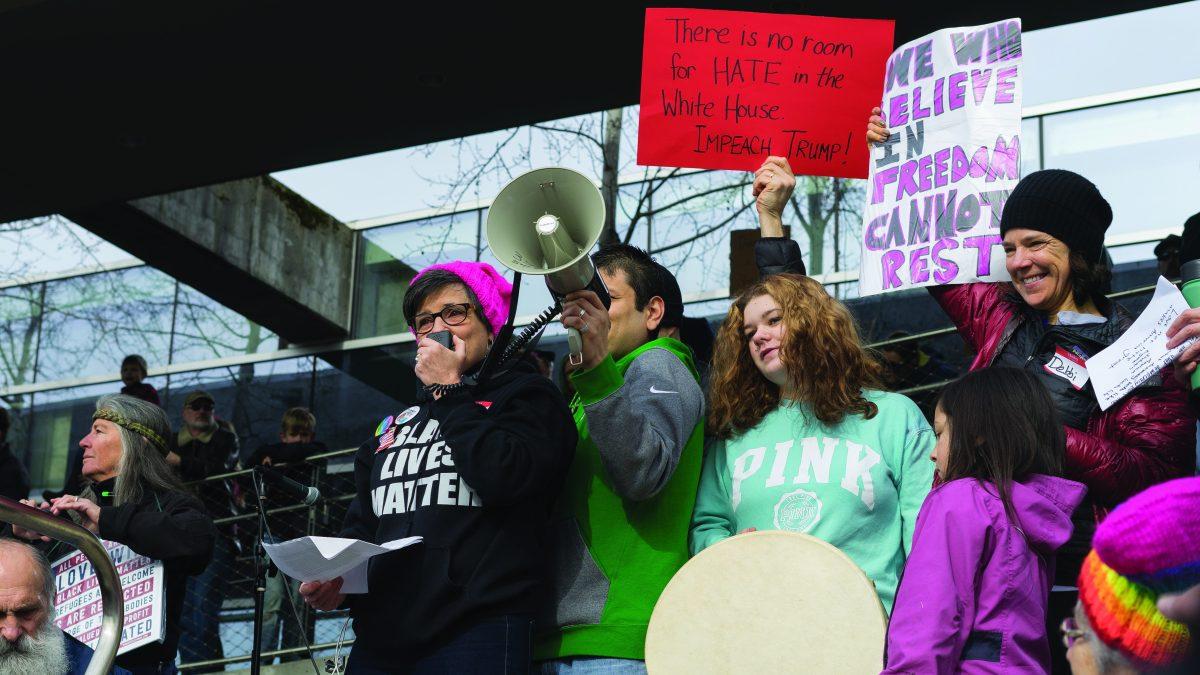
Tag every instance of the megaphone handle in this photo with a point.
(575, 344)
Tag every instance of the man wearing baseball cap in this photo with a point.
(202, 448)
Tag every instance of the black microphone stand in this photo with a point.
(262, 567)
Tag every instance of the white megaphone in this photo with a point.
(546, 222)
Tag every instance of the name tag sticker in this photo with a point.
(1068, 366)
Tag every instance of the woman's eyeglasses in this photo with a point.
(1071, 632)
(452, 315)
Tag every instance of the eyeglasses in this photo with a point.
(452, 315)
(1071, 632)
(201, 406)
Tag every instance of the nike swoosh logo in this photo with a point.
(661, 391)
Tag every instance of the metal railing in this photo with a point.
(111, 595)
(287, 619)
(934, 386)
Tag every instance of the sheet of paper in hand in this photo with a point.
(952, 101)
(324, 558)
(723, 90)
(78, 609)
(1142, 351)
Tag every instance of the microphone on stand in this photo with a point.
(304, 494)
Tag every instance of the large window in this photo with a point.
(59, 419)
(1141, 154)
(21, 315)
(205, 329)
(1031, 145)
(91, 322)
(390, 255)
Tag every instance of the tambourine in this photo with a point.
(765, 603)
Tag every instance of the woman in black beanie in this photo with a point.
(1051, 317)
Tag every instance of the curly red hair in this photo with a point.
(821, 351)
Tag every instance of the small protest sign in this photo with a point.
(78, 609)
(952, 101)
(723, 90)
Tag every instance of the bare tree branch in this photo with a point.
(704, 233)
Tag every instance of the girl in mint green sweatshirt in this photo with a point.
(805, 442)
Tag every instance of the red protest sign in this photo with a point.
(722, 90)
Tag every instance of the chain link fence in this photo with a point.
(218, 611)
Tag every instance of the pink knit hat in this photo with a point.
(1147, 546)
(494, 291)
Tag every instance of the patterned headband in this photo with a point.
(140, 429)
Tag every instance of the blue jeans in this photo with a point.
(593, 665)
(201, 620)
(496, 646)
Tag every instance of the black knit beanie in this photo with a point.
(1062, 204)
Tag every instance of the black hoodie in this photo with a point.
(474, 474)
(14, 479)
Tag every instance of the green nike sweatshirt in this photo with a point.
(621, 526)
(857, 485)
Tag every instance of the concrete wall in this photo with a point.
(253, 245)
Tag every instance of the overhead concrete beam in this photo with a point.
(252, 245)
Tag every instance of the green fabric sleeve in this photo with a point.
(712, 518)
(598, 383)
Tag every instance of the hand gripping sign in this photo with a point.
(78, 609)
(952, 101)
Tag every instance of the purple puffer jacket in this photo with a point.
(973, 595)
(1142, 440)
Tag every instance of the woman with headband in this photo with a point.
(134, 498)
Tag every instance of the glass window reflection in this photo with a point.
(250, 398)
(92, 322)
(21, 317)
(205, 329)
(390, 256)
(1141, 154)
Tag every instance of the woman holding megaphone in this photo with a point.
(473, 470)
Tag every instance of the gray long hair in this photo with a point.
(142, 466)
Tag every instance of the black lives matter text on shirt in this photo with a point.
(417, 471)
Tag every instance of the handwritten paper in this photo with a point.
(1142, 351)
(952, 101)
(324, 558)
(723, 89)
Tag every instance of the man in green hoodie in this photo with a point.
(621, 525)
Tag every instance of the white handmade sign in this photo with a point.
(952, 101)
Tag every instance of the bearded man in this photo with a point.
(32, 643)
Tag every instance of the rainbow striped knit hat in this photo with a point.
(1147, 546)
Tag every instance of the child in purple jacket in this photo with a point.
(973, 595)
